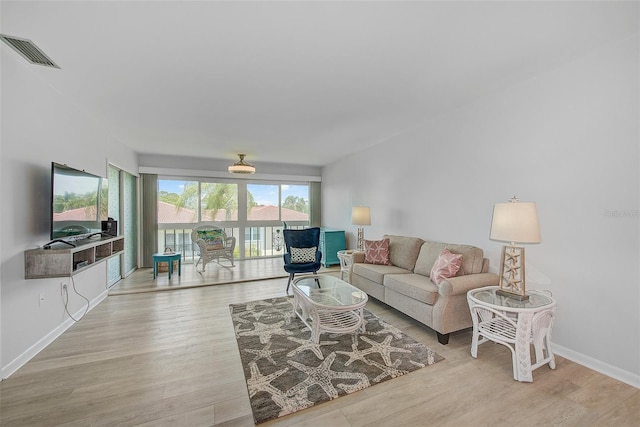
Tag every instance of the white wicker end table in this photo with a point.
(346, 263)
(328, 304)
(516, 325)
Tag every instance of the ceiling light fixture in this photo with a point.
(241, 166)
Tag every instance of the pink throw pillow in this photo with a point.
(446, 266)
(376, 252)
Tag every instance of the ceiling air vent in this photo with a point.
(28, 50)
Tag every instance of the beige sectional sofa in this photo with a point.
(405, 284)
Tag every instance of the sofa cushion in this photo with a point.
(403, 251)
(415, 286)
(376, 252)
(445, 267)
(214, 238)
(375, 272)
(429, 253)
(472, 258)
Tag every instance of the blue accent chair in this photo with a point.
(305, 238)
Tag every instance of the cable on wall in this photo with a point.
(66, 301)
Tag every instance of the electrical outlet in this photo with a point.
(63, 288)
(41, 299)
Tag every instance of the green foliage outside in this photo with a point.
(71, 201)
(171, 198)
(213, 197)
(298, 204)
(252, 250)
(217, 196)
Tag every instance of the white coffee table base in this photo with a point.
(326, 313)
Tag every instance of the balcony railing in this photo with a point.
(258, 242)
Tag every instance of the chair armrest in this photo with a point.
(230, 242)
(358, 257)
(462, 284)
(318, 256)
(202, 245)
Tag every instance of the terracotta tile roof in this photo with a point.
(79, 214)
(169, 214)
(270, 213)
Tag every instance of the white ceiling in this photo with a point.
(296, 82)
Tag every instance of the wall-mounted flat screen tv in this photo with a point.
(75, 203)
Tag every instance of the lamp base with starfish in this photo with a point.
(512, 273)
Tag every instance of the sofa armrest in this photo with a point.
(358, 257)
(462, 284)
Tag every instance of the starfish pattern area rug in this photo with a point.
(286, 372)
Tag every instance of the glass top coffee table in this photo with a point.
(325, 303)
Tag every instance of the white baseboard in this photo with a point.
(597, 365)
(32, 351)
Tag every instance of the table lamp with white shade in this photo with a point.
(514, 222)
(360, 216)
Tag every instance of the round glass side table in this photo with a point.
(346, 264)
(516, 325)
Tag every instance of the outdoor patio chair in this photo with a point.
(212, 243)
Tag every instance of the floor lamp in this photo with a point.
(360, 216)
(514, 222)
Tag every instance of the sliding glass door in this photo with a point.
(123, 196)
(114, 265)
(130, 221)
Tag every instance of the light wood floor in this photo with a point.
(215, 274)
(170, 358)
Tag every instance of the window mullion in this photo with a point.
(242, 218)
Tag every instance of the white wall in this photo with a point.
(568, 140)
(40, 126)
